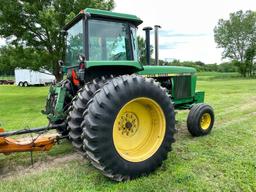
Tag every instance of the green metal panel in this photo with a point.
(158, 71)
(133, 18)
(61, 92)
(199, 97)
(55, 112)
(187, 103)
(134, 64)
(183, 101)
(193, 84)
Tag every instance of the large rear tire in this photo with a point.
(79, 104)
(128, 127)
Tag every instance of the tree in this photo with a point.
(237, 36)
(142, 50)
(33, 27)
(12, 57)
(250, 55)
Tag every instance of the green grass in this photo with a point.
(21, 107)
(225, 160)
(217, 76)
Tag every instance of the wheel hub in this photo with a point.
(128, 124)
(205, 121)
(139, 129)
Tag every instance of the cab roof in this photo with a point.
(114, 15)
(97, 13)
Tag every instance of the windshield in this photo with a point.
(109, 41)
(74, 43)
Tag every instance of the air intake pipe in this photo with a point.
(156, 45)
(147, 41)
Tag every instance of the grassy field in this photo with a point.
(225, 160)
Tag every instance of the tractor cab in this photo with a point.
(102, 39)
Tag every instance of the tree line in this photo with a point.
(202, 67)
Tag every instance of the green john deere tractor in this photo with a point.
(118, 112)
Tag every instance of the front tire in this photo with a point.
(128, 127)
(200, 120)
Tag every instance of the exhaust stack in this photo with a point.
(156, 45)
(147, 42)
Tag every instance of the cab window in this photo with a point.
(109, 41)
(74, 45)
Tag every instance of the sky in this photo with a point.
(187, 26)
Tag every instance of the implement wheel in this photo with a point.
(200, 120)
(128, 127)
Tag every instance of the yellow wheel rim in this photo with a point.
(139, 129)
(205, 121)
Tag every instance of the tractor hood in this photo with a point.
(166, 71)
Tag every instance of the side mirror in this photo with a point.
(61, 63)
(81, 58)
